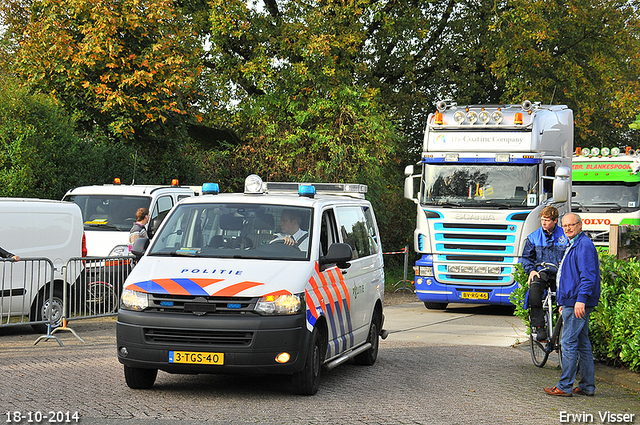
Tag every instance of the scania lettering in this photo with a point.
(486, 172)
(606, 185)
(285, 278)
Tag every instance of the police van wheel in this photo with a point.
(307, 381)
(140, 379)
(369, 357)
(435, 306)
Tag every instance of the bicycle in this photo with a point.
(540, 350)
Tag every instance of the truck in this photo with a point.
(606, 186)
(486, 173)
(109, 212)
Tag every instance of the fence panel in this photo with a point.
(97, 284)
(28, 294)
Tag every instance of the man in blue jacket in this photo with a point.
(578, 294)
(546, 244)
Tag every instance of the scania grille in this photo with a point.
(474, 254)
(198, 337)
(189, 304)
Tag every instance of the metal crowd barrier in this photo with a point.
(33, 292)
(404, 280)
(28, 294)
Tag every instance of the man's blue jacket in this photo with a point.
(579, 275)
(543, 248)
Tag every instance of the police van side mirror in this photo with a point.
(338, 254)
(139, 247)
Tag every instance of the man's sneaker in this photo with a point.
(541, 333)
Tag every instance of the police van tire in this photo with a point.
(368, 358)
(140, 379)
(307, 381)
(435, 306)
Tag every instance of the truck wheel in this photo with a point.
(368, 358)
(140, 379)
(307, 381)
(48, 309)
(435, 306)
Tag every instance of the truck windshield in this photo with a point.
(480, 185)
(235, 231)
(609, 197)
(109, 212)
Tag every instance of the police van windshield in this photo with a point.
(236, 231)
(481, 185)
(109, 212)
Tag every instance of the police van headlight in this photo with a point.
(134, 300)
(280, 304)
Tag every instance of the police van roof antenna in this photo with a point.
(135, 163)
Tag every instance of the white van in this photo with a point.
(284, 278)
(37, 228)
(109, 211)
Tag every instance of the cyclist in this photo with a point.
(578, 294)
(544, 245)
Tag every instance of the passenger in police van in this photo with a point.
(139, 230)
(547, 244)
(7, 254)
(292, 234)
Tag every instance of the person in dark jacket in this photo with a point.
(546, 244)
(139, 230)
(7, 254)
(578, 294)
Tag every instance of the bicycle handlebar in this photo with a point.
(547, 265)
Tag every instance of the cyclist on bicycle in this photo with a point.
(545, 245)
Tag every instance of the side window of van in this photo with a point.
(371, 228)
(354, 231)
(328, 231)
(159, 211)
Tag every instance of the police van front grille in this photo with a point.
(190, 304)
(198, 337)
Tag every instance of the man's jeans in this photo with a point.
(576, 347)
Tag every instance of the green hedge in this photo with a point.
(615, 324)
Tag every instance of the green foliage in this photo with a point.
(518, 295)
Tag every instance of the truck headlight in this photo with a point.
(119, 251)
(134, 300)
(280, 304)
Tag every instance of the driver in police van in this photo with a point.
(292, 234)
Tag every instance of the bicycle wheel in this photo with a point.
(539, 353)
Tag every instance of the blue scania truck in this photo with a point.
(486, 171)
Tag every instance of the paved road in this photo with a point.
(444, 367)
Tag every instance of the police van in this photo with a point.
(285, 278)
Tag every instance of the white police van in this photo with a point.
(284, 278)
(109, 211)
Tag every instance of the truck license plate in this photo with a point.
(475, 295)
(194, 357)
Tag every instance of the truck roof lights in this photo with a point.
(497, 116)
(175, 182)
(605, 152)
(595, 151)
(210, 189)
(116, 181)
(459, 117)
(518, 118)
(472, 116)
(615, 151)
(439, 118)
(484, 116)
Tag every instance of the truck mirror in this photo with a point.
(408, 170)
(408, 187)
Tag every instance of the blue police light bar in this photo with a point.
(306, 190)
(210, 189)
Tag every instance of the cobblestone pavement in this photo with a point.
(411, 383)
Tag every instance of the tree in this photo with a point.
(129, 65)
(585, 54)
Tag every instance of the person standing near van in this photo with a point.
(578, 295)
(7, 254)
(139, 229)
